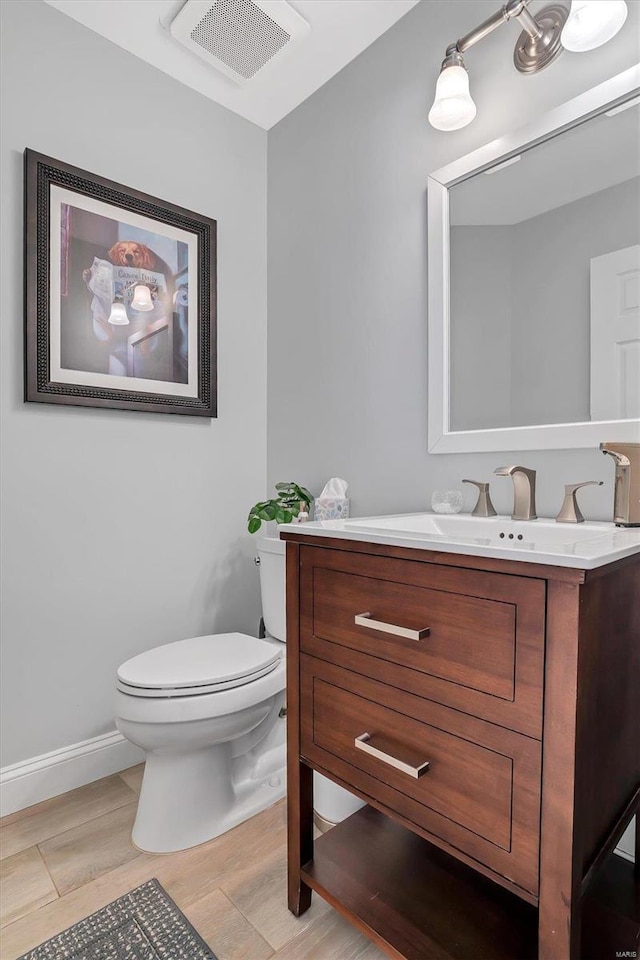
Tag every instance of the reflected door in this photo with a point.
(615, 335)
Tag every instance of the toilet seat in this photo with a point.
(186, 707)
(197, 666)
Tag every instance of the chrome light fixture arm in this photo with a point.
(514, 8)
(541, 38)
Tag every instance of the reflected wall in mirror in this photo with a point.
(534, 282)
(545, 282)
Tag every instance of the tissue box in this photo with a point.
(331, 508)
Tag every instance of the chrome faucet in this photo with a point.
(626, 497)
(524, 491)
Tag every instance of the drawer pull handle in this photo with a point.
(366, 620)
(362, 743)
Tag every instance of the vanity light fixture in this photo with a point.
(589, 24)
(453, 107)
(592, 23)
(118, 316)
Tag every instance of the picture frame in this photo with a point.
(120, 295)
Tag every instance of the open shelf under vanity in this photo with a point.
(417, 902)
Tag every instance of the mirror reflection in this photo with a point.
(545, 282)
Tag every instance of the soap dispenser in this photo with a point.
(626, 497)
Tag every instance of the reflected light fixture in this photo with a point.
(118, 316)
(589, 24)
(592, 23)
(142, 298)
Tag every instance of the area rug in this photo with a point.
(145, 924)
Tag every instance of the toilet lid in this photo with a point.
(223, 659)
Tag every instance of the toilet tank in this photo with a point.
(271, 553)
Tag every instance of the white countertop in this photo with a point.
(584, 546)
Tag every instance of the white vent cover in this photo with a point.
(239, 37)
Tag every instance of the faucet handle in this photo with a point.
(483, 507)
(570, 511)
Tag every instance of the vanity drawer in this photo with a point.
(479, 791)
(465, 638)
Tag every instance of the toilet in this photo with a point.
(208, 712)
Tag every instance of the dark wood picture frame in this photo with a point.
(41, 172)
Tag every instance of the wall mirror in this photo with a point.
(534, 282)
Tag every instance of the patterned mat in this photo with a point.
(143, 925)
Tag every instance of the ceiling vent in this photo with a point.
(239, 37)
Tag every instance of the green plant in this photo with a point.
(282, 509)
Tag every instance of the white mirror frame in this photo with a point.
(625, 86)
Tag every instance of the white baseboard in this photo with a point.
(30, 781)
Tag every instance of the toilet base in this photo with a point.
(189, 798)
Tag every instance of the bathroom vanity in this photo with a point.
(484, 704)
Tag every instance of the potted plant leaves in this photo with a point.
(290, 501)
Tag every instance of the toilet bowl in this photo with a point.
(208, 712)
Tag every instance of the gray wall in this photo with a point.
(347, 262)
(520, 309)
(123, 530)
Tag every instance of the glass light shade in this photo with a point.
(453, 107)
(142, 298)
(118, 316)
(592, 23)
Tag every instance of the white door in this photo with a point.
(615, 335)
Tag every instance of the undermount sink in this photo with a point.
(585, 545)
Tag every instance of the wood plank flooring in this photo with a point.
(68, 857)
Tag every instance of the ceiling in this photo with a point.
(340, 30)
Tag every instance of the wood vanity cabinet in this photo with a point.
(487, 712)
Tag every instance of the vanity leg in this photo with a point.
(559, 930)
(299, 776)
(300, 837)
(559, 912)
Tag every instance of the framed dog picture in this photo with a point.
(120, 304)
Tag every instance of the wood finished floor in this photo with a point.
(68, 857)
